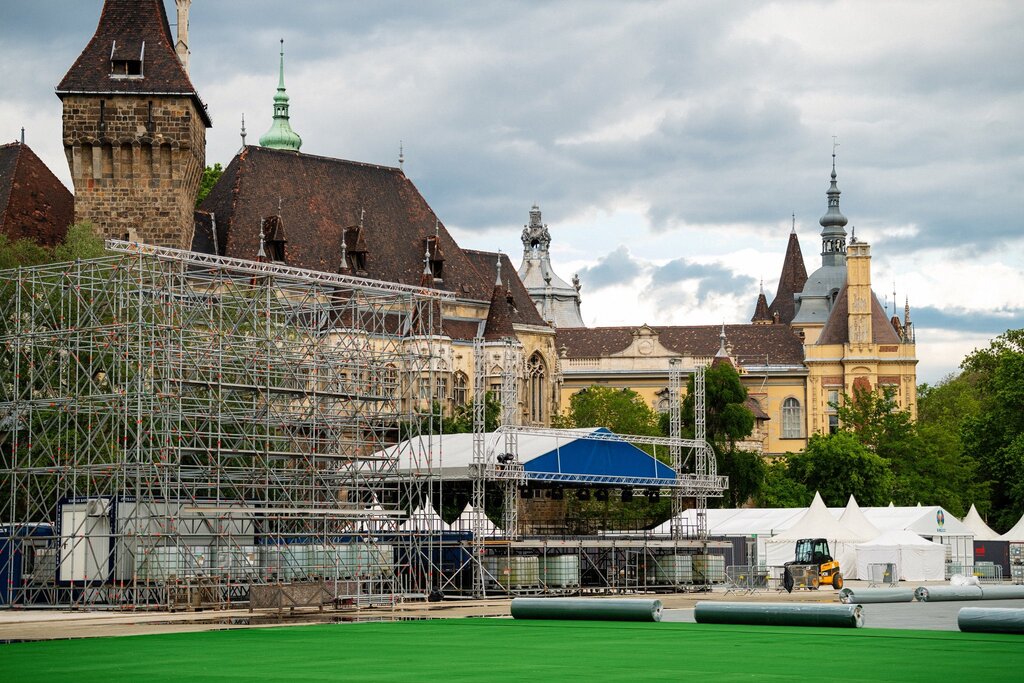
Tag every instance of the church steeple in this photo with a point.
(281, 135)
(833, 224)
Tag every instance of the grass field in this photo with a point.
(503, 649)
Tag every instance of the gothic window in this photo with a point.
(791, 418)
(441, 388)
(459, 383)
(389, 381)
(536, 387)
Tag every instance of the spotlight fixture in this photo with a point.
(583, 494)
(627, 495)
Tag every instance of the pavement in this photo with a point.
(31, 624)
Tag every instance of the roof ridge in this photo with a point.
(321, 157)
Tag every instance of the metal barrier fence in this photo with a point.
(882, 574)
(988, 572)
(747, 578)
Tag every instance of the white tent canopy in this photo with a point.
(1016, 534)
(424, 518)
(465, 522)
(915, 558)
(853, 519)
(982, 531)
(817, 522)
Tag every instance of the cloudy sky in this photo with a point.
(667, 143)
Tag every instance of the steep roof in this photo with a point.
(837, 328)
(523, 309)
(761, 313)
(775, 344)
(131, 29)
(34, 204)
(499, 316)
(321, 199)
(791, 282)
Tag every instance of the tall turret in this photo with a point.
(134, 128)
(833, 226)
(281, 135)
(181, 47)
(557, 300)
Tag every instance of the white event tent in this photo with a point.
(982, 531)
(465, 522)
(1016, 534)
(915, 558)
(817, 522)
(853, 519)
(424, 518)
(933, 523)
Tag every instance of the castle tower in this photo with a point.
(134, 127)
(858, 282)
(557, 300)
(281, 135)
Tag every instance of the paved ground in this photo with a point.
(55, 624)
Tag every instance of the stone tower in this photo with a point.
(557, 301)
(134, 127)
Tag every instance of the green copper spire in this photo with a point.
(281, 135)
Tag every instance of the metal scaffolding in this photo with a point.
(176, 427)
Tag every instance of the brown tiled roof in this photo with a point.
(499, 316)
(524, 310)
(837, 327)
(461, 329)
(791, 281)
(753, 406)
(761, 313)
(320, 198)
(33, 203)
(775, 344)
(123, 28)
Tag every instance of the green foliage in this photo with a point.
(780, 490)
(79, 243)
(622, 411)
(993, 436)
(461, 421)
(838, 465)
(211, 174)
(727, 419)
(746, 476)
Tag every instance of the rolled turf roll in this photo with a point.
(587, 609)
(779, 614)
(991, 619)
(1002, 592)
(947, 593)
(864, 596)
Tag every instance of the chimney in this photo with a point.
(181, 47)
(858, 282)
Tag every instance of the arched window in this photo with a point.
(459, 382)
(536, 387)
(791, 419)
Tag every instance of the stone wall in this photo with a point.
(136, 162)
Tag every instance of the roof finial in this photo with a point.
(243, 129)
(426, 260)
(401, 155)
(437, 232)
(281, 135)
(362, 214)
(279, 201)
(262, 253)
(835, 144)
(721, 343)
(344, 250)
(762, 285)
(792, 230)
(497, 280)
(23, 135)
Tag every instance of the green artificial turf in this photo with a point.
(503, 649)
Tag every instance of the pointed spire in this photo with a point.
(791, 281)
(761, 314)
(721, 343)
(261, 255)
(499, 315)
(281, 135)
(243, 129)
(833, 223)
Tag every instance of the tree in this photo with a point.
(622, 411)
(79, 243)
(211, 174)
(838, 465)
(993, 437)
(728, 420)
(461, 421)
(780, 490)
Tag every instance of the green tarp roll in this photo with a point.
(947, 593)
(991, 619)
(779, 614)
(864, 596)
(1002, 592)
(584, 608)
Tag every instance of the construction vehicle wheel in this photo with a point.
(837, 581)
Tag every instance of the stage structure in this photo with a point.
(175, 427)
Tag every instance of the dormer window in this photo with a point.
(126, 59)
(436, 257)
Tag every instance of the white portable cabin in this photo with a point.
(931, 522)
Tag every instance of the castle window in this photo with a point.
(537, 375)
(791, 418)
(833, 417)
(459, 388)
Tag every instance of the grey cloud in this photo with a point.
(617, 268)
(988, 322)
(713, 278)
